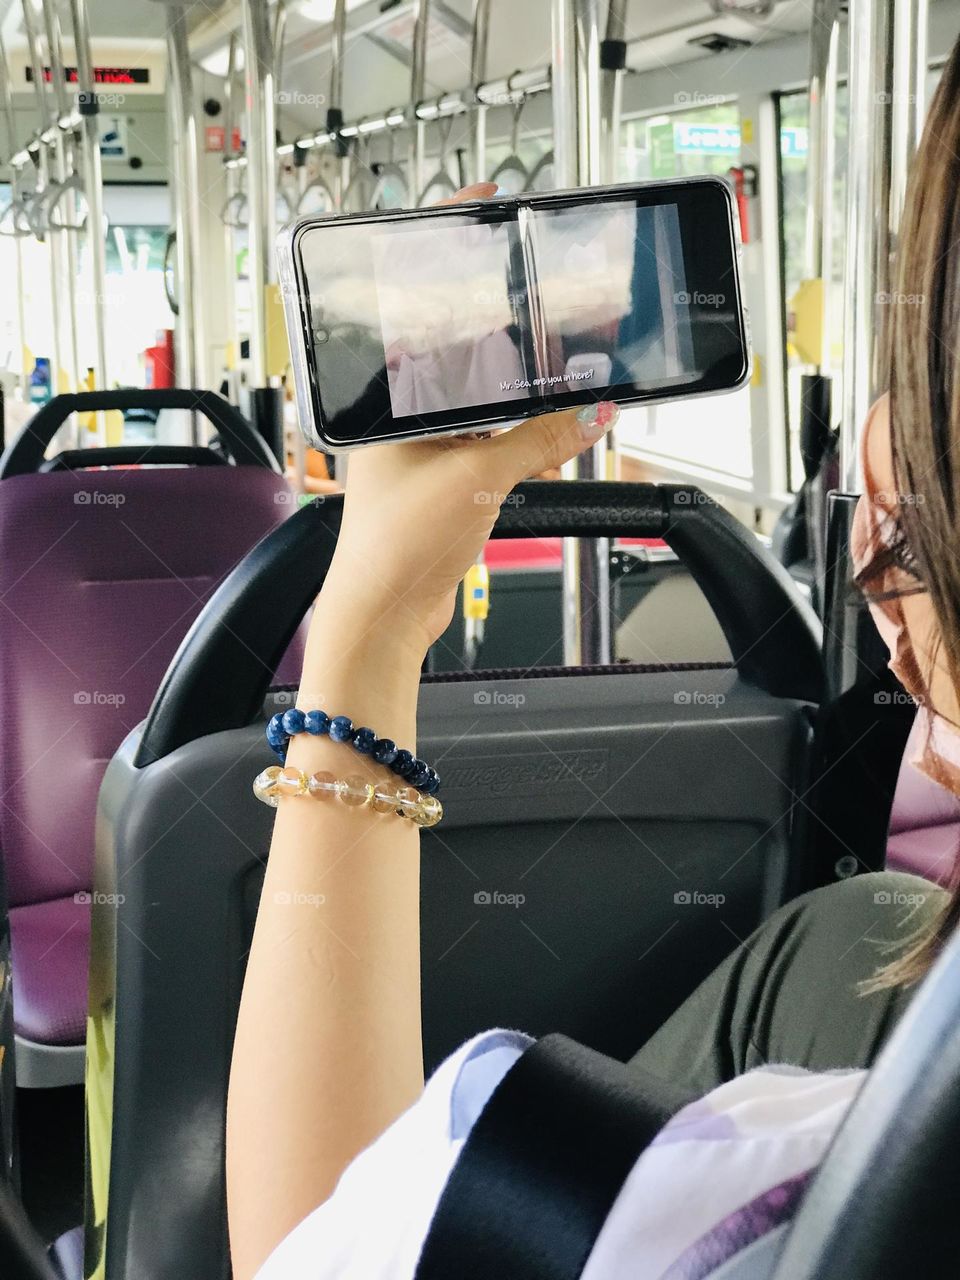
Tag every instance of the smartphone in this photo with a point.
(422, 322)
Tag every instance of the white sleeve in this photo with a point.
(374, 1225)
(725, 1171)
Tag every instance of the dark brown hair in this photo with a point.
(923, 353)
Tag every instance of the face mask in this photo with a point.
(871, 532)
(934, 743)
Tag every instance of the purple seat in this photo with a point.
(51, 942)
(924, 835)
(101, 574)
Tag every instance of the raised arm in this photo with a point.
(328, 1050)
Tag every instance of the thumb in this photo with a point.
(551, 439)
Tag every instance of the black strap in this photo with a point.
(543, 1165)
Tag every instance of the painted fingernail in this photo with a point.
(597, 419)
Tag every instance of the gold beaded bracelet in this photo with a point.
(405, 802)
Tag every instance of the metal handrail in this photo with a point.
(54, 196)
(458, 102)
(17, 210)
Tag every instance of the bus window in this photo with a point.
(683, 437)
(135, 305)
(794, 116)
(701, 139)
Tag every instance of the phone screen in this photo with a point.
(423, 322)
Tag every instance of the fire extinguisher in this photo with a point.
(744, 183)
(738, 181)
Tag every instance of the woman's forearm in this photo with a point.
(328, 1051)
(328, 1048)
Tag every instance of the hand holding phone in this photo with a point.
(417, 515)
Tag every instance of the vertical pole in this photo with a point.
(816, 385)
(64, 151)
(88, 108)
(887, 73)
(576, 143)
(232, 186)
(48, 116)
(418, 83)
(261, 173)
(909, 105)
(613, 61)
(478, 74)
(760, 271)
(335, 119)
(183, 120)
(259, 62)
(867, 274)
(887, 70)
(824, 40)
(6, 99)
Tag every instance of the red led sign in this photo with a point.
(101, 75)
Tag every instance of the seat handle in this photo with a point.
(25, 453)
(220, 675)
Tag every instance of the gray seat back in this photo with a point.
(609, 836)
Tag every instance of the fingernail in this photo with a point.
(597, 419)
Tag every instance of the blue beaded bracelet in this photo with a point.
(286, 724)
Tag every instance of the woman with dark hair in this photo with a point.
(327, 1103)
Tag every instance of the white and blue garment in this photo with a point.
(724, 1173)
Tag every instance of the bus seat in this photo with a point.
(102, 573)
(673, 620)
(643, 814)
(924, 835)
